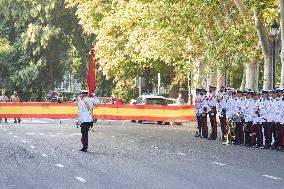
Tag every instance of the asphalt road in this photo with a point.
(44, 154)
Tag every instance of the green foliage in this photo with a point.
(46, 43)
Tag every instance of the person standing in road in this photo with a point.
(222, 101)
(198, 111)
(85, 116)
(16, 99)
(4, 98)
(203, 106)
(212, 103)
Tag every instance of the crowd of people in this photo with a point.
(14, 98)
(248, 118)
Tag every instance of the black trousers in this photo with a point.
(239, 130)
(213, 124)
(199, 123)
(84, 130)
(267, 133)
(223, 122)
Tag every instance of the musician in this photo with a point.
(257, 121)
(265, 119)
(248, 115)
(85, 116)
(204, 108)
(198, 111)
(238, 111)
(222, 101)
(230, 109)
(212, 109)
(273, 118)
(281, 130)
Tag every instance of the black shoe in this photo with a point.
(15, 121)
(19, 121)
(83, 150)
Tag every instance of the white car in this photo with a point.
(151, 99)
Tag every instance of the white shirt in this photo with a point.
(211, 101)
(84, 115)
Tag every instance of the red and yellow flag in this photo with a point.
(91, 76)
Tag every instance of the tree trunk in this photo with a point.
(265, 46)
(220, 78)
(282, 41)
(243, 84)
(175, 88)
(252, 74)
(242, 8)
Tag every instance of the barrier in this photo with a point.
(102, 111)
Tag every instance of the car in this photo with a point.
(151, 99)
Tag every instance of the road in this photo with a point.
(44, 154)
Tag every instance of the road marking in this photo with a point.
(16, 136)
(100, 133)
(80, 179)
(59, 165)
(30, 133)
(112, 136)
(10, 133)
(217, 163)
(44, 155)
(182, 154)
(156, 147)
(75, 134)
(272, 177)
(4, 129)
(24, 141)
(32, 147)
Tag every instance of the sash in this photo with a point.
(87, 106)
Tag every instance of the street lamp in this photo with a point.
(274, 26)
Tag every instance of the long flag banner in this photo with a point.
(102, 111)
(91, 76)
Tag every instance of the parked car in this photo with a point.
(151, 99)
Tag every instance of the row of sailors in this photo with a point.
(243, 115)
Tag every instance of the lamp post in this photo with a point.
(274, 26)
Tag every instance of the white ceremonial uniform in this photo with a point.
(278, 113)
(203, 104)
(272, 110)
(248, 110)
(197, 105)
(230, 107)
(211, 101)
(84, 115)
(263, 109)
(222, 102)
(256, 108)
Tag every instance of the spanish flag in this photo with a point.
(91, 76)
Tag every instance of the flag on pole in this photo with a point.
(91, 76)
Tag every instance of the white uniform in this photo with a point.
(263, 109)
(272, 110)
(211, 101)
(278, 112)
(248, 109)
(256, 108)
(222, 102)
(203, 104)
(230, 107)
(197, 105)
(84, 115)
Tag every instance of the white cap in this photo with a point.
(84, 91)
